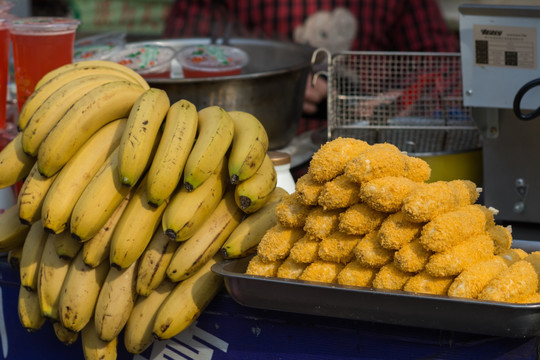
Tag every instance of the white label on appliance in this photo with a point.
(507, 46)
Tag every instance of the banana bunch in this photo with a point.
(127, 200)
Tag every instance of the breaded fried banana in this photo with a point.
(417, 169)
(412, 257)
(432, 199)
(338, 247)
(455, 226)
(277, 242)
(425, 283)
(356, 274)
(258, 266)
(320, 223)
(391, 277)
(308, 190)
(330, 160)
(380, 160)
(290, 269)
(518, 280)
(501, 236)
(461, 256)
(529, 298)
(387, 193)
(360, 219)
(291, 212)
(370, 252)
(322, 271)
(338, 193)
(396, 231)
(305, 250)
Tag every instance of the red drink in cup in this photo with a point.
(40, 44)
(4, 57)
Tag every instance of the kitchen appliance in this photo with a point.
(500, 63)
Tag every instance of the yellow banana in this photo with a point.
(104, 65)
(66, 336)
(116, 299)
(79, 293)
(215, 133)
(252, 193)
(249, 146)
(94, 109)
(141, 134)
(98, 201)
(187, 301)
(135, 228)
(97, 249)
(247, 235)
(66, 246)
(154, 262)
(54, 107)
(173, 150)
(96, 349)
(51, 275)
(30, 315)
(13, 231)
(55, 79)
(32, 195)
(76, 174)
(31, 256)
(14, 257)
(206, 241)
(188, 210)
(138, 330)
(15, 165)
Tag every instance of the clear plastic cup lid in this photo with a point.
(41, 24)
(145, 59)
(212, 57)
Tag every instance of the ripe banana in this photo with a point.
(30, 315)
(154, 262)
(80, 292)
(253, 193)
(187, 301)
(66, 336)
(66, 246)
(135, 228)
(138, 330)
(98, 201)
(94, 348)
(55, 79)
(94, 109)
(14, 163)
(31, 256)
(32, 195)
(51, 275)
(76, 174)
(206, 241)
(216, 130)
(188, 210)
(116, 299)
(141, 134)
(54, 107)
(247, 235)
(249, 146)
(173, 150)
(90, 64)
(14, 257)
(97, 249)
(13, 231)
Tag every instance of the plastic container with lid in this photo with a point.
(101, 46)
(211, 60)
(282, 164)
(150, 61)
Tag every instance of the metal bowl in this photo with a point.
(271, 86)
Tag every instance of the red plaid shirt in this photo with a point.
(383, 25)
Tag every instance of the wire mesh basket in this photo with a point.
(412, 100)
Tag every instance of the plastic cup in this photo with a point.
(4, 59)
(150, 61)
(211, 61)
(40, 44)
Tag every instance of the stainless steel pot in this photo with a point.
(271, 86)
